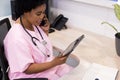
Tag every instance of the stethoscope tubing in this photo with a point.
(32, 38)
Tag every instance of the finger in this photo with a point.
(63, 58)
(59, 55)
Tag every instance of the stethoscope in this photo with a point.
(33, 39)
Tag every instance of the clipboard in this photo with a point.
(72, 46)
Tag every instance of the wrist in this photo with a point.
(53, 63)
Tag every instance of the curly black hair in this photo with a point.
(23, 6)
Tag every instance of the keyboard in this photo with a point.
(100, 72)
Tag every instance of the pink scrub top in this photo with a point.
(21, 52)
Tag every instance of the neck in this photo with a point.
(26, 23)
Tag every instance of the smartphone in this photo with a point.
(43, 23)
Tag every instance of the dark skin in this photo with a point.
(34, 17)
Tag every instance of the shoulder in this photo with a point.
(15, 33)
(16, 30)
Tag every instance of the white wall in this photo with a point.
(5, 8)
(81, 14)
(86, 16)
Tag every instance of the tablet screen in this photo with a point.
(72, 46)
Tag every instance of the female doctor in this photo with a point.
(28, 50)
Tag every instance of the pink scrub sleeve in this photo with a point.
(18, 54)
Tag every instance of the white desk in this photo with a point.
(93, 48)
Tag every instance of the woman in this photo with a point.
(27, 47)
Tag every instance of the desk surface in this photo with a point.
(93, 49)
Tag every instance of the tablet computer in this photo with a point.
(72, 46)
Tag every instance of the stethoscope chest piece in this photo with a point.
(44, 42)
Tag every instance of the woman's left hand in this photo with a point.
(46, 27)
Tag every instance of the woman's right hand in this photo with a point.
(59, 60)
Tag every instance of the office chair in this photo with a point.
(4, 28)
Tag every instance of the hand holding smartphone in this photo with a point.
(43, 22)
(45, 25)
